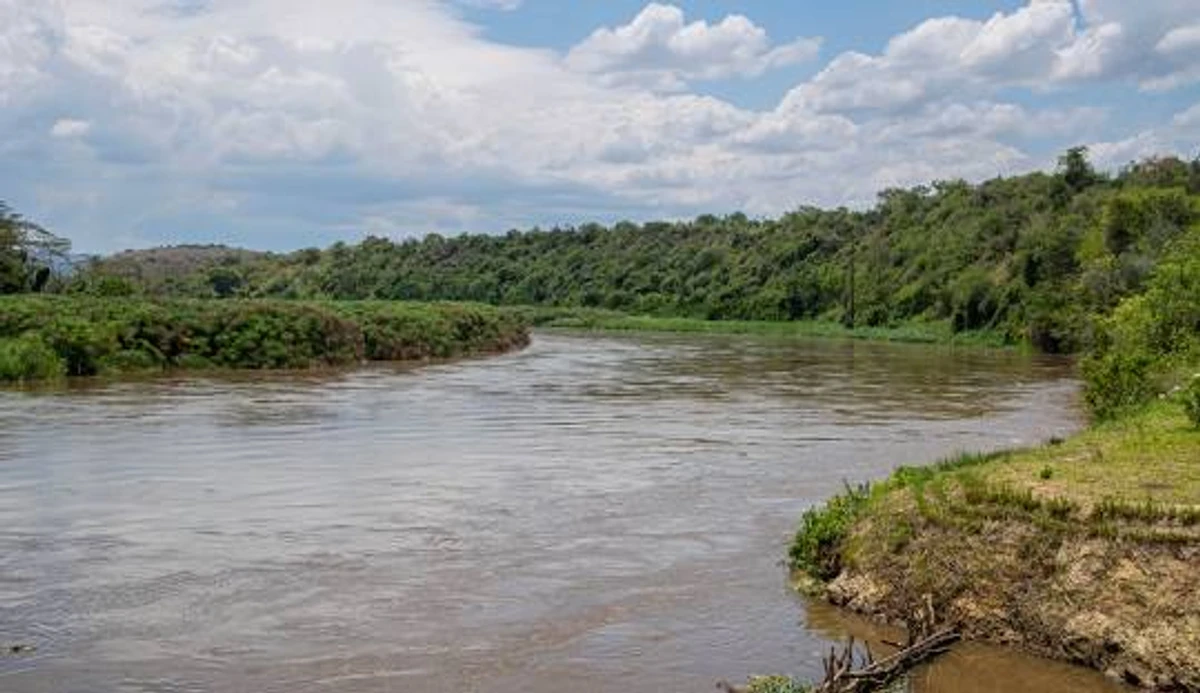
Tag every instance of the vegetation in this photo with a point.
(27, 253)
(47, 336)
(1074, 260)
(1029, 258)
(1093, 562)
(598, 319)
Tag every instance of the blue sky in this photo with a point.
(281, 124)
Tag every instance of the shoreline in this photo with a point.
(1085, 550)
(931, 333)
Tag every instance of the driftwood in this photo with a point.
(841, 676)
(848, 671)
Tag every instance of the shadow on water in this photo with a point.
(603, 511)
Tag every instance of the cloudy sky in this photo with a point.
(280, 124)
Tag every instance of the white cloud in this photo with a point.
(506, 5)
(277, 123)
(660, 48)
(68, 128)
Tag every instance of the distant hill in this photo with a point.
(173, 261)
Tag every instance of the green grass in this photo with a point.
(1152, 455)
(915, 332)
(1136, 478)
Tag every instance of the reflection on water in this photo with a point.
(604, 511)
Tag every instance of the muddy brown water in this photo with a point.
(596, 513)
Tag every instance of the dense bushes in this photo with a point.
(43, 336)
(29, 358)
(1151, 343)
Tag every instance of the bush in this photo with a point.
(1116, 383)
(1189, 395)
(83, 345)
(91, 335)
(28, 358)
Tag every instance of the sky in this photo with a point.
(281, 124)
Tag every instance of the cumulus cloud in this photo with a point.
(660, 48)
(280, 124)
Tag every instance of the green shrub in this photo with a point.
(28, 358)
(91, 335)
(1116, 383)
(1189, 395)
(83, 345)
(817, 548)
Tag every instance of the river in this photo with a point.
(593, 514)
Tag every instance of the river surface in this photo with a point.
(593, 514)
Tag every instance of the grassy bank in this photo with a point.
(1086, 550)
(45, 337)
(605, 320)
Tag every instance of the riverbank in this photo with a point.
(46, 337)
(1085, 550)
(927, 332)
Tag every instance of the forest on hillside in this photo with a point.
(1030, 257)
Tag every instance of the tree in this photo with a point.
(1076, 170)
(27, 253)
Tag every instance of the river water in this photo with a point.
(596, 513)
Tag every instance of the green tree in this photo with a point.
(1076, 169)
(27, 253)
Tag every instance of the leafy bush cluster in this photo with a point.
(1150, 345)
(29, 358)
(44, 336)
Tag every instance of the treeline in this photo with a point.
(1030, 257)
(45, 337)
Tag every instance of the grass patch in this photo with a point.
(1137, 478)
(913, 332)
(1150, 456)
(817, 549)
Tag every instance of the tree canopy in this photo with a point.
(28, 253)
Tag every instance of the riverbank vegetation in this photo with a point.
(1030, 258)
(598, 319)
(52, 336)
(1086, 549)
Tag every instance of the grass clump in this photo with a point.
(817, 550)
